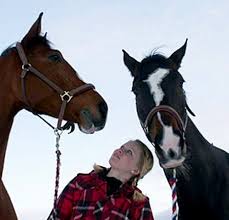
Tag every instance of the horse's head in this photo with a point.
(161, 103)
(42, 93)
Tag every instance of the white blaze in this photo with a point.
(170, 140)
(154, 82)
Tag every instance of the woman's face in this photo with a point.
(126, 158)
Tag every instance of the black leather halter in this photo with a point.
(165, 108)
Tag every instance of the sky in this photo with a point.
(91, 36)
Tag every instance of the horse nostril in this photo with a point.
(86, 113)
(171, 153)
(103, 109)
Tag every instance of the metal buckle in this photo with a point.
(66, 96)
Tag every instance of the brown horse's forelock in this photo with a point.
(39, 40)
(33, 42)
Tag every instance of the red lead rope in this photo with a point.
(172, 183)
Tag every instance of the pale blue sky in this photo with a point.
(91, 36)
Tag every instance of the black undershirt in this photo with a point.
(113, 184)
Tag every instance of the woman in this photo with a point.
(109, 193)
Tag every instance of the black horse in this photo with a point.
(202, 169)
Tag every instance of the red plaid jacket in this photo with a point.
(85, 197)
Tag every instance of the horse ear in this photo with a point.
(178, 55)
(34, 31)
(130, 62)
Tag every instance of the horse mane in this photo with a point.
(32, 42)
(7, 50)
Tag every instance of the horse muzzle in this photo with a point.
(171, 157)
(90, 123)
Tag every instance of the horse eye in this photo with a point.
(54, 58)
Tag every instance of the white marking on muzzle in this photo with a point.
(170, 140)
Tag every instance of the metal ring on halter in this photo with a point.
(26, 66)
(66, 96)
(57, 132)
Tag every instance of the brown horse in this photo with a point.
(35, 77)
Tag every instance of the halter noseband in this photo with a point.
(165, 108)
(65, 96)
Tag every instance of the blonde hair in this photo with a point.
(145, 163)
